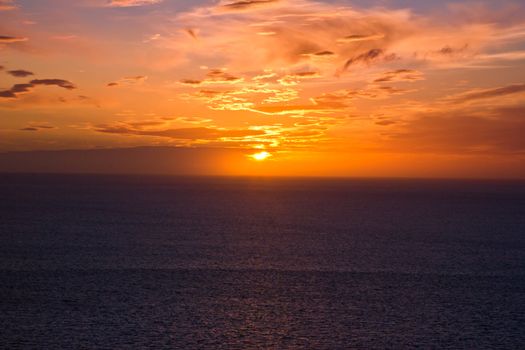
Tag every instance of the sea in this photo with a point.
(163, 262)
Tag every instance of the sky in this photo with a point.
(399, 88)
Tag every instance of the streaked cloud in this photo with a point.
(6, 39)
(399, 75)
(198, 133)
(479, 94)
(244, 5)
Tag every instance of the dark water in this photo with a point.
(157, 262)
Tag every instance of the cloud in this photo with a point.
(37, 127)
(357, 37)
(18, 89)
(57, 82)
(244, 5)
(293, 109)
(214, 76)
(20, 73)
(139, 79)
(369, 57)
(294, 78)
(132, 3)
(343, 98)
(399, 75)
(480, 94)
(197, 133)
(5, 39)
(192, 33)
(15, 90)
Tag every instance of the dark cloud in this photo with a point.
(360, 37)
(190, 82)
(450, 51)
(243, 5)
(487, 93)
(20, 73)
(57, 82)
(22, 88)
(324, 53)
(385, 122)
(191, 32)
(5, 39)
(15, 90)
(366, 58)
(37, 127)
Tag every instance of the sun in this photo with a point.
(260, 156)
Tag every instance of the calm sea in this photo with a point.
(114, 262)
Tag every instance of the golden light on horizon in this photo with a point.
(260, 156)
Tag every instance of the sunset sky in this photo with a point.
(266, 87)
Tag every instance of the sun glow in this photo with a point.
(260, 156)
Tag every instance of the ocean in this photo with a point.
(150, 262)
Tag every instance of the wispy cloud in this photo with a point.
(132, 3)
(132, 80)
(480, 94)
(399, 75)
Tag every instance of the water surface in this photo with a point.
(115, 262)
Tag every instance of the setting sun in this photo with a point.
(261, 156)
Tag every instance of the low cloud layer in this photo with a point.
(198, 133)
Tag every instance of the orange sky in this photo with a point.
(323, 88)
